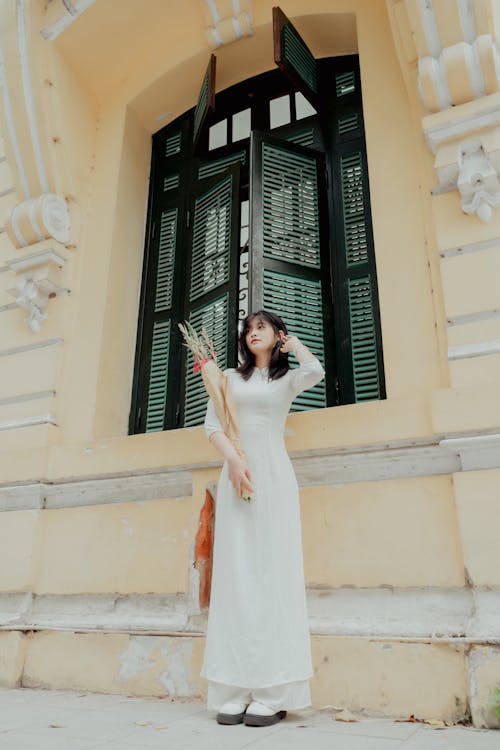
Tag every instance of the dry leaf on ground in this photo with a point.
(345, 715)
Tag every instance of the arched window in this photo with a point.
(259, 199)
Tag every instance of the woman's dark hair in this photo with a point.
(278, 365)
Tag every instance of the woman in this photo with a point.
(257, 654)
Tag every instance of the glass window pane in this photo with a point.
(217, 135)
(241, 125)
(279, 111)
(244, 213)
(302, 106)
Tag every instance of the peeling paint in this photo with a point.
(137, 658)
(176, 678)
(172, 656)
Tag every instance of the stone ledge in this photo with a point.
(431, 614)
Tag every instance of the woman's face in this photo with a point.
(261, 336)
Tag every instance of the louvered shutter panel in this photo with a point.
(293, 57)
(206, 100)
(360, 361)
(153, 409)
(287, 245)
(212, 279)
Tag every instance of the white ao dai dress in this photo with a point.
(258, 628)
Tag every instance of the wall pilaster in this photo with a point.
(450, 59)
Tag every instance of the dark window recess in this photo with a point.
(261, 199)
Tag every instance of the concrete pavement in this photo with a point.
(60, 720)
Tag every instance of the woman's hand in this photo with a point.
(288, 343)
(239, 476)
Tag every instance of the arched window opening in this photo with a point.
(259, 198)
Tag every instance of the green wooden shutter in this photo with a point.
(293, 57)
(206, 100)
(212, 279)
(154, 405)
(288, 252)
(355, 280)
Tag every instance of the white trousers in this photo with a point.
(289, 696)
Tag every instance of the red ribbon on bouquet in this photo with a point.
(199, 364)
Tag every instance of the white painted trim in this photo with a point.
(475, 71)
(467, 20)
(22, 397)
(15, 424)
(430, 27)
(436, 135)
(216, 36)
(460, 320)
(476, 453)
(436, 614)
(237, 28)
(466, 351)
(30, 347)
(136, 488)
(70, 7)
(29, 100)
(34, 223)
(11, 128)
(49, 33)
(373, 465)
(15, 227)
(442, 87)
(212, 7)
(471, 247)
(36, 259)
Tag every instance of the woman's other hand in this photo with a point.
(239, 476)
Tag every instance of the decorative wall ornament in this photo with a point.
(34, 299)
(39, 219)
(36, 283)
(454, 47)
(227, 20)
(477, 181)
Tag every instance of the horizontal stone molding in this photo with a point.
(436, 455)
(30, 347)
(427, 613)
(478, 317)
(467, 351)
(39, 419)
(461, 122)
(108, 490)
(23, 397)
(475, 452)
(472, 247)
(374, 464)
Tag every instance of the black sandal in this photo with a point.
(255, 720)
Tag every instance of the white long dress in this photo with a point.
(258, 630)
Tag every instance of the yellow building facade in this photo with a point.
(399, 495)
